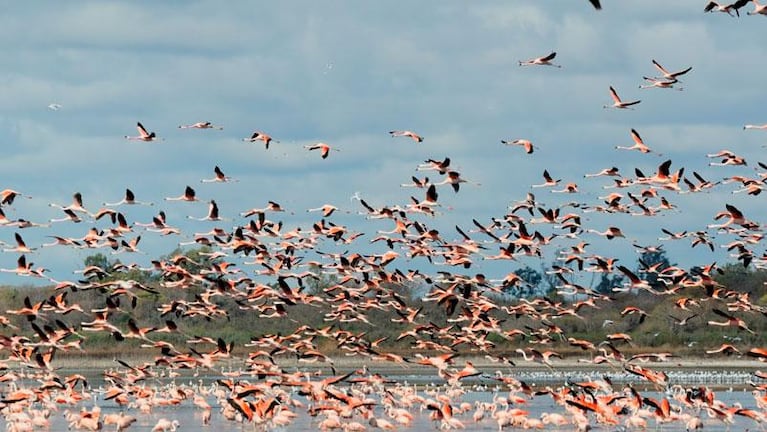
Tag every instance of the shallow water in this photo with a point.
(190, 417)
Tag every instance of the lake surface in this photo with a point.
(481, 390)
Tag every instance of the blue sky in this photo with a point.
(346, 73)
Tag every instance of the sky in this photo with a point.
(347, 73)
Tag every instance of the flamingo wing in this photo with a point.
(614, 95)
(142, 130)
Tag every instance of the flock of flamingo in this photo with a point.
(263, 267)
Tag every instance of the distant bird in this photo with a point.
(659, 83)
(671, 76)
(129, 199)
(638, 143)
(713, 6)
(54, 107)
(415, 137)
(143, 135)
(596, 4)
(189, 195)
(540, 61)
(527, 144)
(219, 178)
(618, 103)
(751, 126)
(549, 181)
(201, 125)
(260, 136)
(322, 147)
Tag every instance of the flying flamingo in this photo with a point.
(212, 213)
(201, 125)
(76, 206)
(143, 135)
(414, 136)
(8, 195)
(219, 178)
(549, 181)
(21, 246)
(527, 144)
(670, 76)
(322, 147)
(540, 61)
(189, 195)
(732, 321)
(130, 199)
(638, 143)
(610, 172)
(713, 6)
(751, 126)
(659, 83)
(618, 103)
(260, 136)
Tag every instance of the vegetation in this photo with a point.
(246, 321)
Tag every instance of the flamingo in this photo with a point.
(540, 61)
(658, 83)
(212, 213)
(76, 206)
(549, 181)
(732, 321)
(8, 195)
(129, 199)
(322, 147)
(618, 103)
(713, 6)
(201, 125)
(143, 135)
(189, 195)
(219, 178)
(638, 143)
(752, 126)
(670, 76)
(260, 136)
(406, 133)
(527, 144)
(610, 172)
(165, 425)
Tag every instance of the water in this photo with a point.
(482, 390)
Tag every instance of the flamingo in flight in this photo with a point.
(670, 76)
(527, 144)
(638, 143)
(260, 136)
(713, 6)
(406, 133)
(129, 199)
(753, 126)
(659, 83)
(322, 147)
(540, 61)
(143, 135)
(201, 125)
(618, 103)
(219, 178)
(189, 195)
